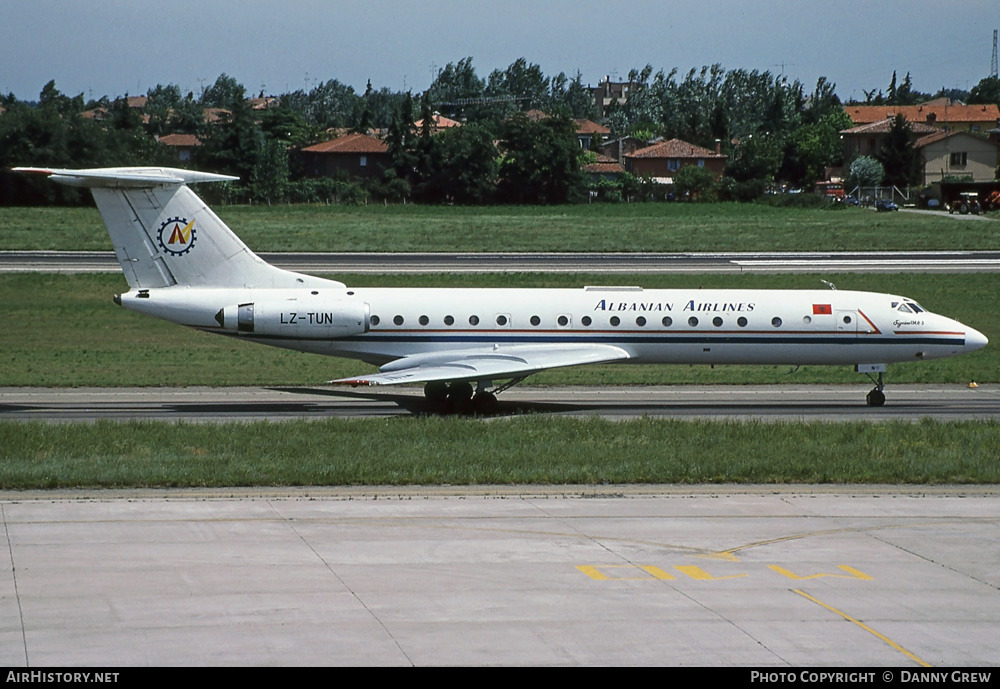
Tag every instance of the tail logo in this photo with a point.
(177, 236)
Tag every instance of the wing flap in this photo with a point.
(486, 364)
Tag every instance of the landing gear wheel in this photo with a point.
(460, 397)
(484, 403)
(876, 398)
(436, 392)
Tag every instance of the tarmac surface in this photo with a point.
(758, 576)
(763, 402)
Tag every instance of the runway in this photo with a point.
(635, 263)
(765, 402)
(760, 577)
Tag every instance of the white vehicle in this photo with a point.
(184, 265)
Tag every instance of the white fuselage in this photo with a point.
(685, 326)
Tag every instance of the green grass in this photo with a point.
(633, 227)
(520, 450)
(65, 331)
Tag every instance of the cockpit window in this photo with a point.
(908, 306)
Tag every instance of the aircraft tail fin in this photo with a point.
(164, 234)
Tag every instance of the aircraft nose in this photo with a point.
(974, 340)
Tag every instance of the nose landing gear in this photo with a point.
(875, 398)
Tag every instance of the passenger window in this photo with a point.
(535, 320)
(692, 321)
(449, 320)
(640, 321)
(586, 320)
(615, 320)
(424, 320)
(717, 322)
(473, 320)
(398, 320)
(667, 321)
(374, 320)
(741, 321)
(562, 321)
(776, 322)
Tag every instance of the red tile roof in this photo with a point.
(180, 140)
(602, 168)
(675, 148)
(439, 122)
(588, 127)
(862, 114)
(350, 143)
(940, 135)
(884, 126)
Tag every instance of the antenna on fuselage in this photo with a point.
(829, 284)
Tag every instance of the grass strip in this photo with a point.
(521, 450)
(598, 227)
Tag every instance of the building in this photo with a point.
(184, 145)
(867, 139)
(951, 118)
(604, 168)
(662, 161)
(357, 155)
(610, 92)
(957, 155)
(587, 131)
(439, 123)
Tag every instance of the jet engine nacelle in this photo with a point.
(295, 319)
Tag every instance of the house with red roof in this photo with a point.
(357, 155)
(438, 123)
(663, 160)
(958, 154)
(867, 139)
(587, 132)
(962, 118)
(184, 145)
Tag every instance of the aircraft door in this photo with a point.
(847, 321)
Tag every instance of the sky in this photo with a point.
(118, 47)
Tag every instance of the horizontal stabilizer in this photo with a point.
(126, 177)
(486, 364)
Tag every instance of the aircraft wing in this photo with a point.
(498, 362)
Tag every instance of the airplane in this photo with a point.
(184, 265)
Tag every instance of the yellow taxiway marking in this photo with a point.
(851, 573)
(653, 572)
(861, 624)
(699, 574)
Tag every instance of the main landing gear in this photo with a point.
(459, 397)
(875, 398)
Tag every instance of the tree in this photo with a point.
(814, 147)
(541, 161)
(866, 171)
(987, 91)
(898, 156)
(756, 157)
(694, 182)
(225, 91)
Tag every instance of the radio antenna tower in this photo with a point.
(993, 62)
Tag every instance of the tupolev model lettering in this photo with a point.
(184, 265)
(690, 305)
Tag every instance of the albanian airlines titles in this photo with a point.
(692, 305)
